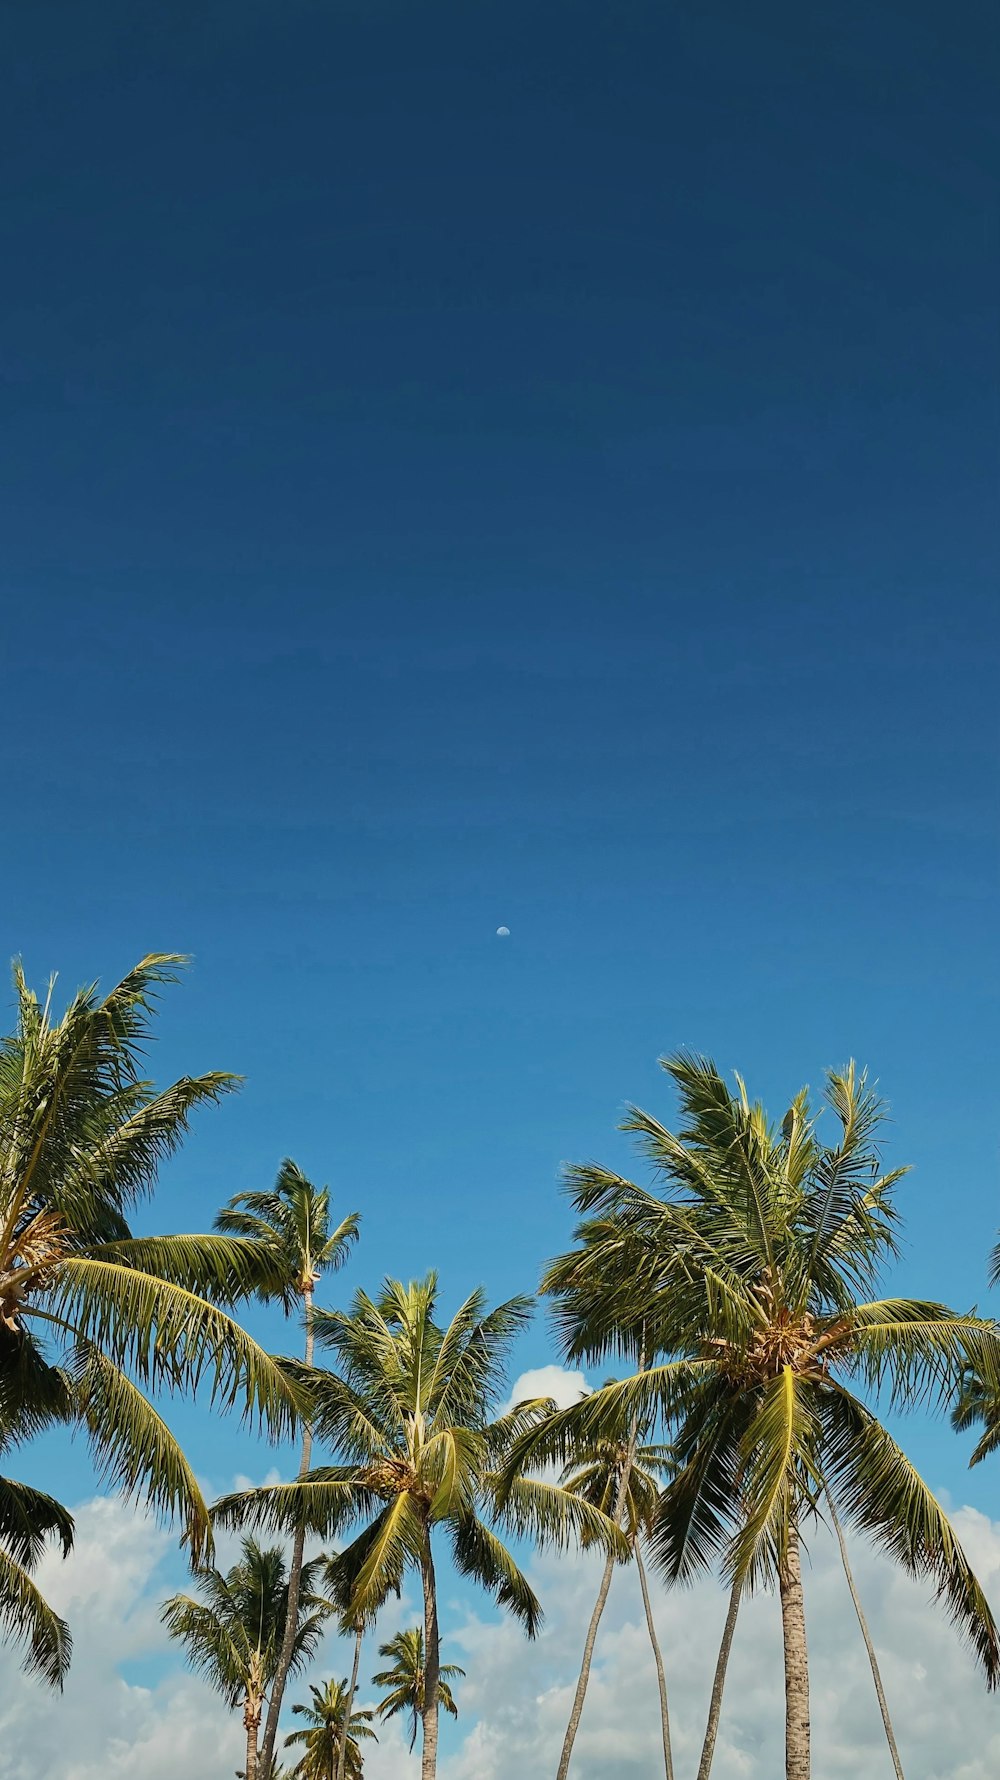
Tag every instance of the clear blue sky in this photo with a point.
(515, 464)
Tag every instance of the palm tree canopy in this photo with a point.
(598, 1471)
(232, 1629)
(291, 1223)
(405, 1680)
(91, 1316)
(319, 1737)
(749, 1276)
(413, 1409)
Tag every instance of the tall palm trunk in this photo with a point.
(251, 1724)
(661, 1679)
(576, 1710)
(719, 1683)
(869, 1646)
(432, 1661)
(798, 1765)
(294, 1582)
(345, 1729)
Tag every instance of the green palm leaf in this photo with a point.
(135, 1449)
(478, 1553)
(26, 1616)
(879, 1491)
(171, 1335)
(28, 1518)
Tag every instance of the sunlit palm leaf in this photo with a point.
(135, 1450)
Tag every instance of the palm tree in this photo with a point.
(351, 1626)
(233, 1635)
(292, 1226)
(413, 1411)
(90, 1315)
(328, 1717)
(407, 1679)
(623, 1480)
(752, 1271)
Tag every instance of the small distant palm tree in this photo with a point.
(91, 1316)
(323, 1734)
(406, 1680)
(338, 1584)
(623, 1480)
(291, 1226)
(414, 1412)
(233, 1634)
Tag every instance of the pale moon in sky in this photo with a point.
(503, 933)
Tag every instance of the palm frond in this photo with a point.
(226, 1269)
(173, 1336)
(922, 1350)
(375, 1564)
(878, 1490)
(134, 1448)
(25, 1616)
(478, 1553)
(779, 1456)
(322, 1502)
(550, 1514)
(28, 1518)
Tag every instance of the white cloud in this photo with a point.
(515, 1700)
(104, 1727)
(558, 1382)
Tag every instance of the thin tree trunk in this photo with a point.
(718, 1685)
(661, 1679)
(576, 1711)
(345, 1729)
(869, 1646)
(294, 1585)
(432, 1662)
(251, 1722)
(798, 1764)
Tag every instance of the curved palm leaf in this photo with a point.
(26, 1616)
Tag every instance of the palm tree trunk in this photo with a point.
(432, 1662)
(345, 1729)
(576, 1710)
(251, 1723)
(869, 1646)
(661, 1679)
(798, 1765)
(718, 1685)
(294, 1584)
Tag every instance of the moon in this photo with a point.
(503, 933)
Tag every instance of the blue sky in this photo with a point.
(508, 465)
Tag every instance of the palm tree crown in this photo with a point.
(292, 1222)
(233, 1630)
(290, 1227)
(750, 1275)
(90, 1315)
(406, 1679)
(413, 1409)
(320, 1737)
(615, 1478)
